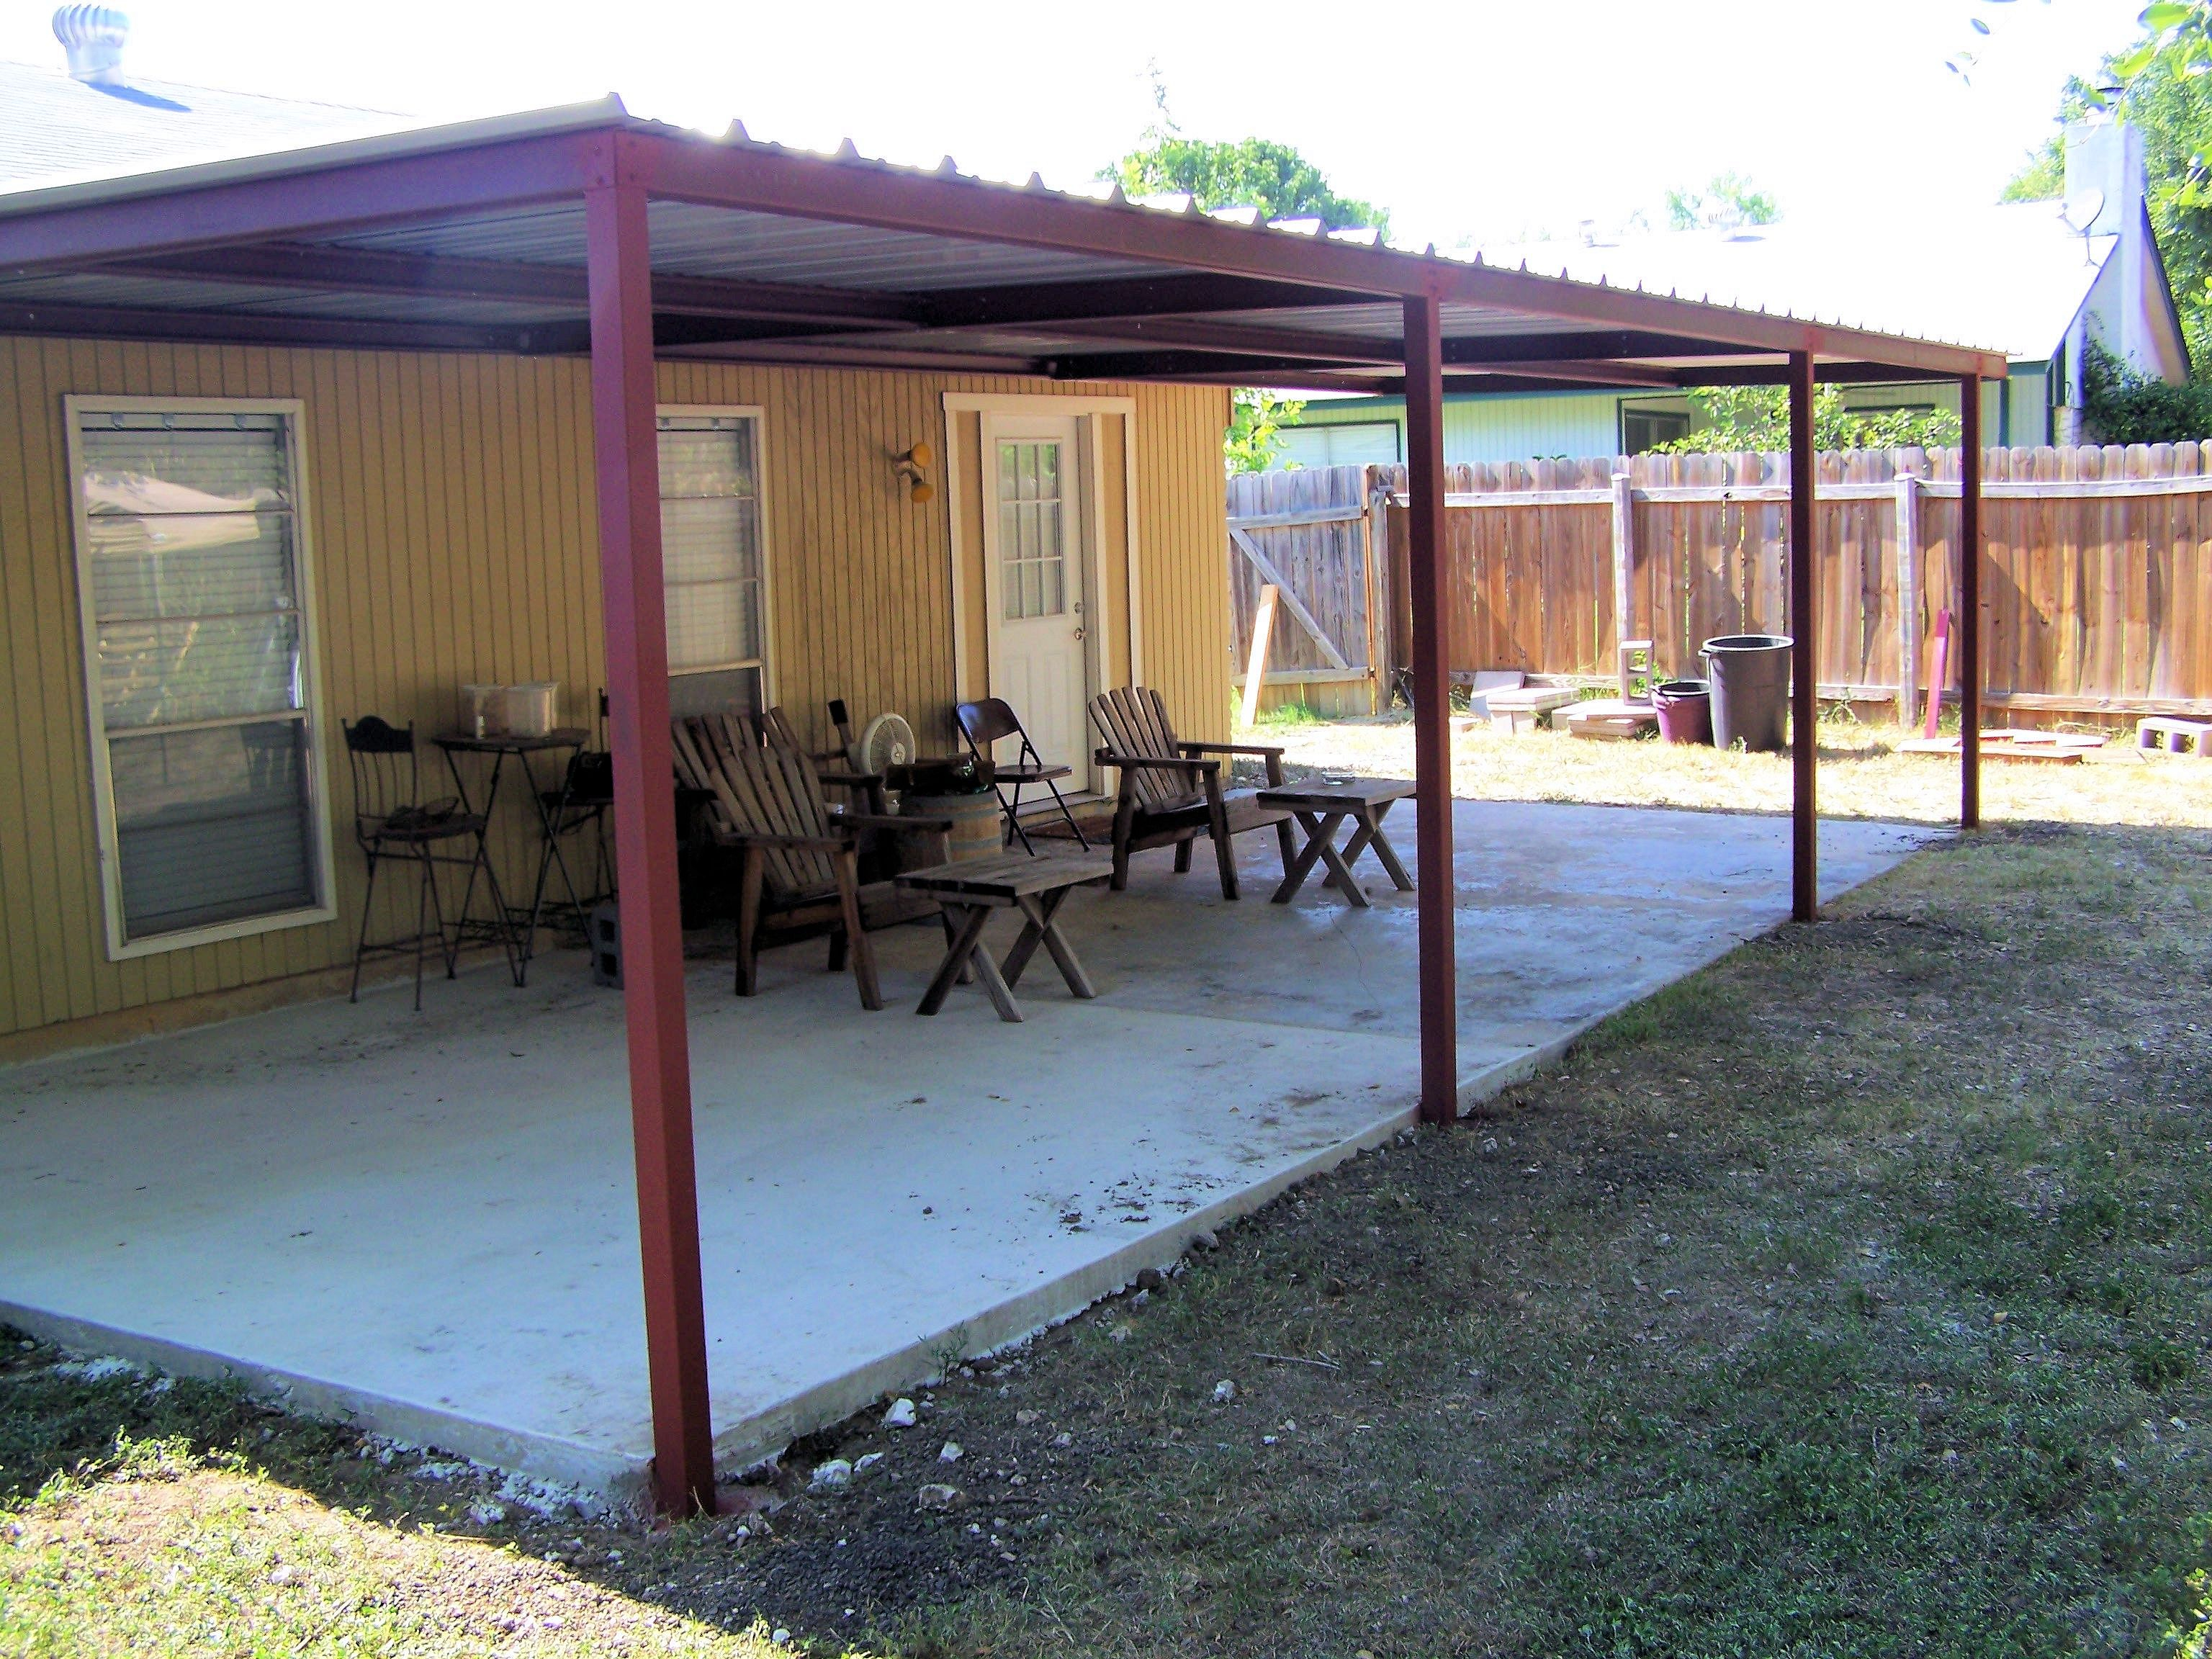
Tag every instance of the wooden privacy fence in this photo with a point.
(2097, 594)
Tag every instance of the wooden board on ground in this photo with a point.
(1609, 718)
(1514, 709)
(2063, 747)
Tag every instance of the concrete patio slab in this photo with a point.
(427, 1222)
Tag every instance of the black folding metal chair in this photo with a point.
(394, 825)
(992, 722)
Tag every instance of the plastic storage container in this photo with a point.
(530, 708)
(484, 711)
(1685, 710)
(1750, 677)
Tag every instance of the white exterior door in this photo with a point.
(1033, 555)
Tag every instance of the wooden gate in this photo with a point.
(1306, 592)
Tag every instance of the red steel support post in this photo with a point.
(625, 446)
(1431, 599)
(1968, 627)
(1804, 659)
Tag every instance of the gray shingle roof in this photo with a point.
(53, 128)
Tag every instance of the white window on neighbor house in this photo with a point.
(193, 585)
(714, 559)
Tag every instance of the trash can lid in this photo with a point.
(1747, 643)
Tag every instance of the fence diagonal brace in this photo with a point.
(1265, 567)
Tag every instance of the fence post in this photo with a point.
(1908, 596)
(1378, 696)
(1624, 560)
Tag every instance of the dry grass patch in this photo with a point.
(1862, 775)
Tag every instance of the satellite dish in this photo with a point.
(2080, 211)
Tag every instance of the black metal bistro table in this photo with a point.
(514, 926)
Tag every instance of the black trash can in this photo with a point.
(1750, 675)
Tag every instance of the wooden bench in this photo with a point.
(1036, 886)
(1321, 809)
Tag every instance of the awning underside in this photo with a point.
(819, 285)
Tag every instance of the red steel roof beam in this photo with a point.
(219, 210)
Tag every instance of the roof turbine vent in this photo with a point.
(93, 36)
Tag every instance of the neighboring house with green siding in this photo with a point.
(2039, 279)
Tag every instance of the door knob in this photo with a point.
(1078, 633)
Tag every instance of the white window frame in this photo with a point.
(121, 947)
(758, 414)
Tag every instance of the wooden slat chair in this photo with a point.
(800, 874)
(833, 767)
(1170, 791)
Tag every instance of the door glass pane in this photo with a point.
(1032, 546)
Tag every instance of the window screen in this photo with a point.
(197, 674)
(710, 541)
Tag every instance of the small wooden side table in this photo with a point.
(970, 889)
(1321, 809)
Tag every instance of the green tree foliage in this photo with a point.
(2166, 92)
(1256, 419)
(1728, 199)
(2122, 405)
(1249, 172)
(1253, 173)
(1734, 418)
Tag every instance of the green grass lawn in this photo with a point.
(1849, 1297)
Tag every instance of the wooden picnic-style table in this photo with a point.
(970, 889)
(1321, 809)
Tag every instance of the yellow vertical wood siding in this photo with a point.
(453, 538)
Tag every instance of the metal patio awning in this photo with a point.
(472, 237)
(586, 231)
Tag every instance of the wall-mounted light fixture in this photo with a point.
(913, 467)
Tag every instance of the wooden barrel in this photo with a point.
(975, 820)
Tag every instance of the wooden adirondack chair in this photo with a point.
(1170, 791)
(833, 767)
(800, 876)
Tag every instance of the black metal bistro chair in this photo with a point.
(992, 721)
(581, 806)
(394, 825)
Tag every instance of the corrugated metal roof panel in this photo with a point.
(702, 242)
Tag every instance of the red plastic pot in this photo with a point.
(1685, 710)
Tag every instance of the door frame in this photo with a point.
(1099, 655)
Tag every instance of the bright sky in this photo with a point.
(1479, 121)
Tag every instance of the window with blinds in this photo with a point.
(711, 556)
(191, 580)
